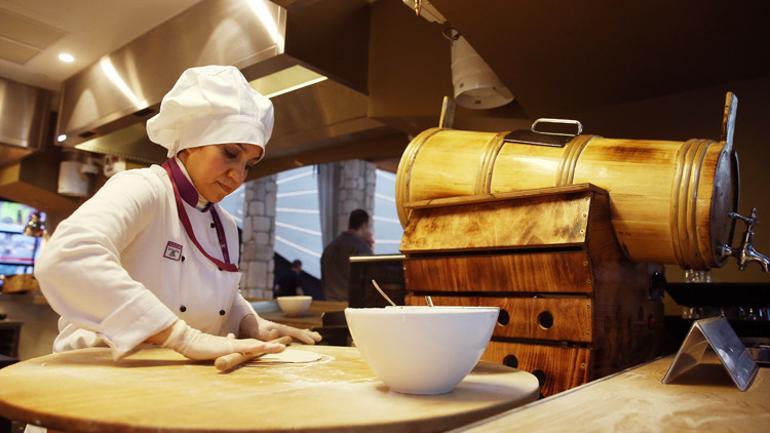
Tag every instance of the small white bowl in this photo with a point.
(422, 350)
(294, 305)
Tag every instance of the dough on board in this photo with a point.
(290, 356)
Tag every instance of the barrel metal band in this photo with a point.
(484, 182)
(693, 230)
(675, 192)
(404, 172)
(571, 155)
(684, 200)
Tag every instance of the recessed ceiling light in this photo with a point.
(66, 57)
(61, 138)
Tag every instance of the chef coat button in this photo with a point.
(213, 225)
(221, 312)
(219, 268)
(182, 258)
(183, 308)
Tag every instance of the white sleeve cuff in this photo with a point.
(134, 322)
(241, 308)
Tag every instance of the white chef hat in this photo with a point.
(211, 105)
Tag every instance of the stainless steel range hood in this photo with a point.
(104, 107)
(125, 86)
(24, 119)
(29, 163)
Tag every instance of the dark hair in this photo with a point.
(296, 263)
(358, 218)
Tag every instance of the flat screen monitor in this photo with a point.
(17, 251)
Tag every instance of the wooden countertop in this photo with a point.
(159, 391)
(313, 318)
(308, 320)
(703, 400)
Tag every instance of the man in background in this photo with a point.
(288, 284)
(335, 260)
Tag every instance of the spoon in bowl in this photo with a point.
(382, 292)
(387, 298)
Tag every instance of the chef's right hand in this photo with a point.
(197, 345)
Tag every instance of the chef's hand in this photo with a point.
(197, 345)
(256, 327)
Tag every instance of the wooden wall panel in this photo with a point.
(533, 271)
(628, 326)
(558, 368)
(569, 318)
(516, 223)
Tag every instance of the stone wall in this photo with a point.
(258, 238)
(357, 181)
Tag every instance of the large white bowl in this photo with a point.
(294, 305)
(421, 350)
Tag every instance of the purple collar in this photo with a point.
(182, 187)
(186, 188)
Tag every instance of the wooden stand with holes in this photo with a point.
(573, 308)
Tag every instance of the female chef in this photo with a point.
(152, 257)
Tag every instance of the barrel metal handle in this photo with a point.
(577, 123)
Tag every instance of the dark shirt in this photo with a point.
(287, 284)
(335, 264)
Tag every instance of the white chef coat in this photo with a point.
(116, 274)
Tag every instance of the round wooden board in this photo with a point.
(158, 390)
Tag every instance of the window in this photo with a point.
(298, 222)
(387, 228)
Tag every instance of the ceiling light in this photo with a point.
(66, 57)
(61, 138)
(476, 85)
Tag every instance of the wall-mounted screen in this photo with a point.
(17, 251)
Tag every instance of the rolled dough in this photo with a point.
(290, 356)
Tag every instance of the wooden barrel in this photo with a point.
(669, 199)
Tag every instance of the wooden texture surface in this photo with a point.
(20, 283)
(528, 272)
(307, 320)
(634, 401)
(669, 198)
(160, 391)
(627, 324)
(501, 223)
(558, 368)
(595, 300)
(570, 318)
(312, 318)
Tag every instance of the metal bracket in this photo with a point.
(728, 120)
(447, 117)
(717, 334)
(577, 124)
(544, 138)
(746, 253)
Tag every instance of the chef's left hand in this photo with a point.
(256, 327)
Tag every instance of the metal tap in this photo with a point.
(746, 252)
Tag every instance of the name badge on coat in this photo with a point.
(173, 251)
